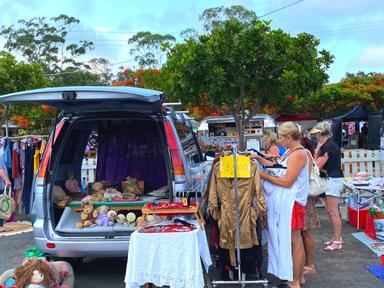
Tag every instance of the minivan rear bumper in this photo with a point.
(85, 248)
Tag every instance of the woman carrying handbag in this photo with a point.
(328, 157)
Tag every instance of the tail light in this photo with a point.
(51, 245)
(47, 154)
(177, 160)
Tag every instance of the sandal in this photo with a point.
(309, 270)
(284, 285)
(332, 248)
(5, 230)
(329, 242)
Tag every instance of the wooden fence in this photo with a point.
(88, 169)
(352, 161)
(358, 160)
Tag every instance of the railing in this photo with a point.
(352, 161)
(88, 169)
(357, 160)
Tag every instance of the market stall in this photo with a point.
(358, 129)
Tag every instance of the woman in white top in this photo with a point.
(294, 182)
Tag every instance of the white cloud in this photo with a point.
(101, 29)
(371, 57)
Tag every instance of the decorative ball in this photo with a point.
(131, 217)
(151, 218)
(121, 219)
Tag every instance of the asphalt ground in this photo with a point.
(344, 268)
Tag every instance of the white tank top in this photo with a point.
(302, 182)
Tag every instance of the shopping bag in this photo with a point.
(317, 184)
(7, 204)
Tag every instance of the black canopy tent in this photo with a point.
(359, 113)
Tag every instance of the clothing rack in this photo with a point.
(240, 280)
(28, 136)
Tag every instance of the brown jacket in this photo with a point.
(221, 205)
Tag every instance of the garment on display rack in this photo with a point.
(280, 203)
(221, 206)
(20, 155)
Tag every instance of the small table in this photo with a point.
(172, 259)
(373, 191)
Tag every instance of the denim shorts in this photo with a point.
(335, 187)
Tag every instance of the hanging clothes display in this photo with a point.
(21, 157)
(221, 205)
(280, 203)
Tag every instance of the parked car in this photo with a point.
(136, 135)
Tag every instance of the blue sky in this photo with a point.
(351, 29)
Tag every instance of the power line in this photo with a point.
(354, 23)
(297, 2)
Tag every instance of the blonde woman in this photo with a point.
(328, 157)
(286, 198)
(270, 142)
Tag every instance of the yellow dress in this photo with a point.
(36, 160)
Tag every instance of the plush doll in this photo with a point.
(88, 217)
(111, 194)
(35, 273)
(102, 218)
(59, 197)
(130, 188)
(98, 192)
(73, 187)
(63, 276)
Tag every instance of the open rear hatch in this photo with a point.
(85, 99)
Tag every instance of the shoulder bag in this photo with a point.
(317, 185)
(7, 204)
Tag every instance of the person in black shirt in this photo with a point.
(328, 157)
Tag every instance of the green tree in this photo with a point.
(18, 76)
(45, 41)
(240, 65)
(150, 49)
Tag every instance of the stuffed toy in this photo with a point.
(98, 192)
(102, 217)
(73, 187)
(63, 276)
(111, 194)
(59, 197)
(35, 273)
(88, 216)
(130, 188)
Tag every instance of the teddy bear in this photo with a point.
(88, 216)
(98, 192)
(130, 188)
(102, 217)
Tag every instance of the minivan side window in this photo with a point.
(188, 142)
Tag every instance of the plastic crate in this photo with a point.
(352, 215)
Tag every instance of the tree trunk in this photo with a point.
(240, 131)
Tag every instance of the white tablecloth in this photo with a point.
(171, 259)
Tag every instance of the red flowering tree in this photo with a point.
(143, 78)
(362, 89)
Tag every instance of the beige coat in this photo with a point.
(221, 205)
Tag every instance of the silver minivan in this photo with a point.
(133, 134)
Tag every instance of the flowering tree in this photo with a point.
(362, 89)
